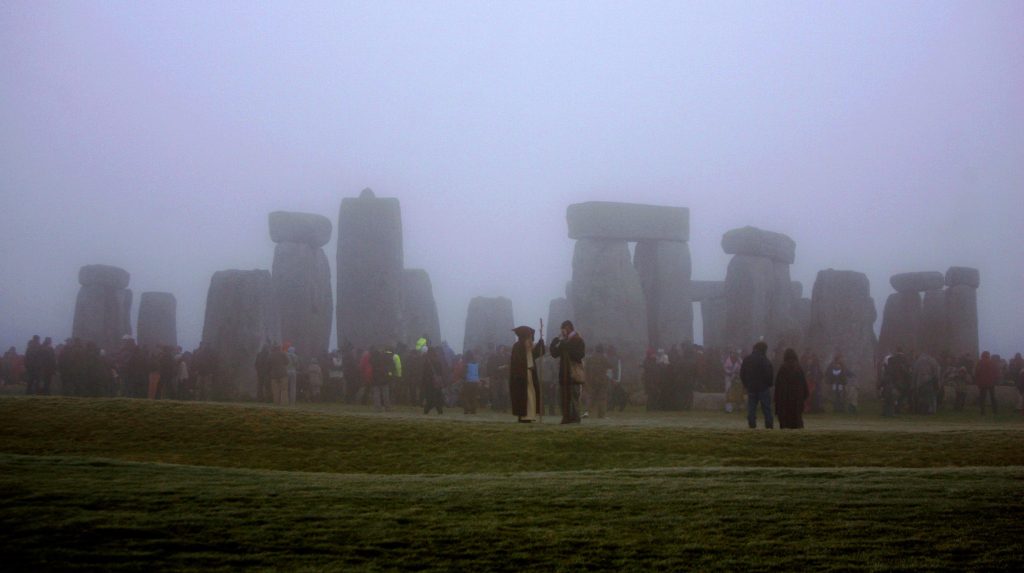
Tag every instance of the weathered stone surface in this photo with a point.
(370, 265)
(962, 317)
(103, 275)
(797, 288)
(956, 276)
(749, 282)
(703, 290)
(917, 282)
(302, 288)
(901, 323)
(714, 314)
(803, 317)
(103, 307)
(489, 323)
(783, 324)
(628, 222)
(608, 300)
(842, 319)
(933, 337)
(158, 320)
(419, 309)
(559, 310)
(665, 268)
(241, 316)
(306, 228)
(755, 242)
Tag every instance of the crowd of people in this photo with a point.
(529, 378)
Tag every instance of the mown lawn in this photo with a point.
(124, 484)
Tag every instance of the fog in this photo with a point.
(883, 137)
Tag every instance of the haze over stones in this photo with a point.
(628, 222)
(158, 320)
(103, 306)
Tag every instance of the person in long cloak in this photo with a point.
(523, 385)
(790, 392)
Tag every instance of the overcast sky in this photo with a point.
(883, 137)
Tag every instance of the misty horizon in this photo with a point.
(882, 138)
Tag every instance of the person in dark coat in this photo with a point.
(791, 392)
(523, 385)
(570, 349)
(756, 374)
(432, 382)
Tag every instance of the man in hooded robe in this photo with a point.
(523, 384)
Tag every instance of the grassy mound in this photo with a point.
(124, 484)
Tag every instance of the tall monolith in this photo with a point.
(962, 310)
(158, 320)
(103, 307)
(901, 322)
(241, 316)
(302, 280)
(370, 264)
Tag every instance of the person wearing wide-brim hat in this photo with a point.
(523, 384)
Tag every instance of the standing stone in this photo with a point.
(901, 322)
(933, 337)
(842, 319)
(370, 265)
(302, 289)
(103, 307)
(759, 292)
(608, 300)
(665, 268)
(962, 317)
(703, 290)
(714, 313)
(419, 309)
(241, 315)
(489, 322)
(783, 323)
(559, 310)
(749, 282)
(158, 320)
(956, 276)
(803, 317)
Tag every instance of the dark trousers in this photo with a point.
(992, 395)
(433, 398)
(764, 397)
(569, 397)
(470, 397)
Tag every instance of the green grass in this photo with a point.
(124, 484)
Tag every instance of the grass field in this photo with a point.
(124, 484)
